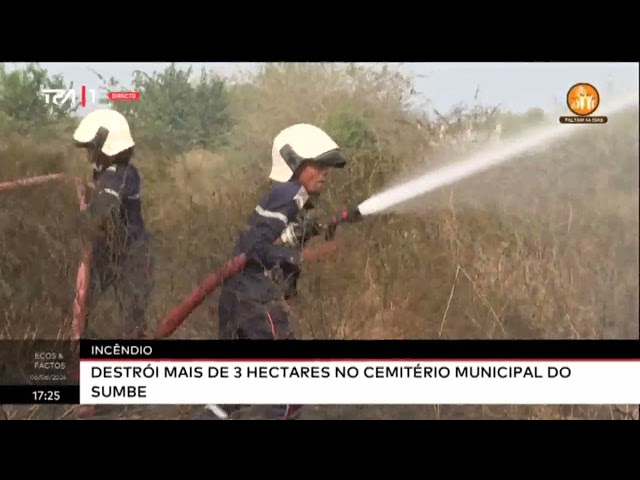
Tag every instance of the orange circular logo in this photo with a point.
(583, 99)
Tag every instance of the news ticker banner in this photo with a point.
(360, 372)
(320, 372)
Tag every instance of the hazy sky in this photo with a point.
(515, 86)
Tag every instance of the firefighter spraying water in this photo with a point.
(477, 162)
(263, 273)
(253, 304)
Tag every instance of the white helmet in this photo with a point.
(300, 143)
(107, 129)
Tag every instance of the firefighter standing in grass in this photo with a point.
(114, 225)
(253, 304)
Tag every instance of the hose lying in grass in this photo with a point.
(82, 278)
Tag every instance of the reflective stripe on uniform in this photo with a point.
(268, 214)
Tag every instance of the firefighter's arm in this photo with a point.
(302, 230)
(268, 247)
(272, 248)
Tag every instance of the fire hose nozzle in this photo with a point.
(347, 215)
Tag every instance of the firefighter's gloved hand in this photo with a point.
(299, 233)
(311, 254)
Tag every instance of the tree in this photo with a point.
(22, 106)
(174, 112)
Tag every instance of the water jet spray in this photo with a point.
(476, 163)
(483, 160)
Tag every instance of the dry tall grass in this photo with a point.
(546, 247)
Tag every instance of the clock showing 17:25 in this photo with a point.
(46, 396)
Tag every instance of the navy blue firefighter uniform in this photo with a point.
(253, 305)
(122, 256)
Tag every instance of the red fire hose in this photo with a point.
(82, 281)
(172, 321)
(24, 182)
